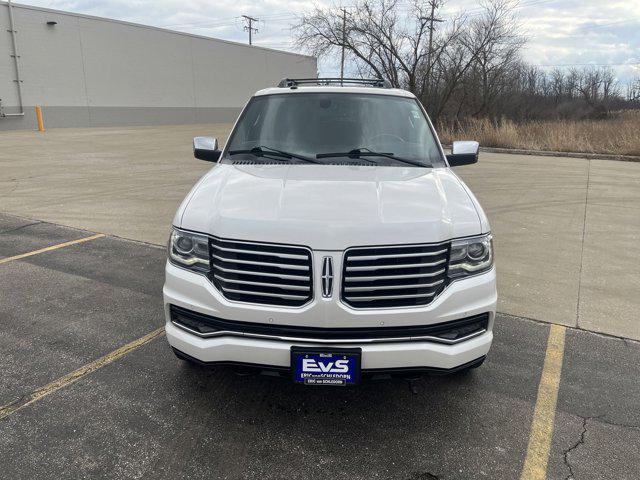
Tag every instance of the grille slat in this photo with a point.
(261, 273)
(281, 255)
(370, 288)
(263, 284)
(389, 297)
(264, 294)
(395, 255)
(266, 264)
(394, 276)
(388, 267)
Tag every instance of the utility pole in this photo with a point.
(344, 40)
(431, 19)
(249, 27)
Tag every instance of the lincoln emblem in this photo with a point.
(327, 276)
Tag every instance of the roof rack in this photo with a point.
(372, 82)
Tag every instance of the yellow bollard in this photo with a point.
(39, 117)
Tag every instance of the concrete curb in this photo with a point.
(545, 153)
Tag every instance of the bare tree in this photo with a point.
(633, 90)
(598, 86)
(462, 66)
(494, 47)
(410, 53)
(558, 85)
(380, 42)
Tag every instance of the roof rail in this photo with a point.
(372, 82)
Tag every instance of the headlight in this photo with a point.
(470, 256)
(189, 250)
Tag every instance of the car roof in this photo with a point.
(397, 92)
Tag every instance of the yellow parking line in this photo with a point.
(52, 247)
(72, 377)
(535, 465)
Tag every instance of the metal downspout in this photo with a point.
(16, 62)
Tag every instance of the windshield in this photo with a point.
(336, 128)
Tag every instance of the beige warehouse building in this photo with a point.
(90, 71)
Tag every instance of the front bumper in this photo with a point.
(461, 299)
(378, 356)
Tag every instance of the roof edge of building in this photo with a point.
(150, 27)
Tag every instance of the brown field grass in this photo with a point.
(619, 134)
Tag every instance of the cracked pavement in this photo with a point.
(148, 415)
(589, 458)
(567, 452)
(597, 433)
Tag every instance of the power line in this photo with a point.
(473, 12)
(586, 28)
(195, 24)
(211, 27)
(284, 16)
(630, 64)
(601, 25)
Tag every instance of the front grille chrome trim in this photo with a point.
(263, 294)
(261, 273)
(404, 255)
(394, 276)
(264, 264)
(265, 274)
(447, 332)
(390, 297)
(392, 287)
(400, 265)
(425, 338)
(253, 252)
(303, 288)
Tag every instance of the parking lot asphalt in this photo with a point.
(146, 414)
(565, 229)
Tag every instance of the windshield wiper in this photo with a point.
(366, 152)
(262, 150)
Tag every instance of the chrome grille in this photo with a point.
(261, 273)
(394, 276)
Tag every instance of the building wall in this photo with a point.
(88, 71)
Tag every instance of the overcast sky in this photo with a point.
(559, 32)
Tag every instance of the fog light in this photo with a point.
(192, 323)
(463, 331)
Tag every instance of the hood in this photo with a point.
(330, 207)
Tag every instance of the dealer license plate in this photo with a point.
(331, 367)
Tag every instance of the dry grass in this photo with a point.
(619, 135)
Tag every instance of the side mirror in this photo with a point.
(463, 153)
(206, 148)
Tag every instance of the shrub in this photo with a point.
(618, 134)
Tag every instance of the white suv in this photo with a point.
(331, 240)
